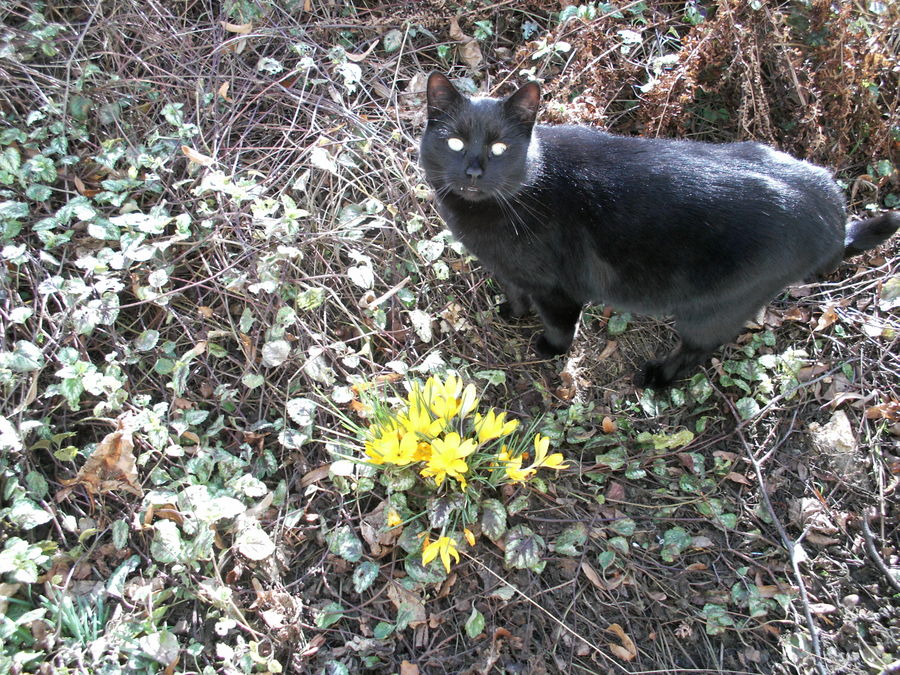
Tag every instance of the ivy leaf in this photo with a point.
(675, 542)
(166, 546)
(623, 526)
(364, 575)
(254, 543)
(475, 624)
(344, 543)
(275, 353)
(747, 407)
(493, 518)
(440, 508)
(523, 548)
(570, 539)
(618, 323)
(329, 614)
(146, 340)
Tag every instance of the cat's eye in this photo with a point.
(498, 148)
(455, 144)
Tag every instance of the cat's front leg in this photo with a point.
(560, 314)
(517, 305)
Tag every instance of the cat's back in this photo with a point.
(686, 171)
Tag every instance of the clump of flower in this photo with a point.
(438, 432)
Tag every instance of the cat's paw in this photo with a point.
(546, 349)
(511, 312)
(654, 375)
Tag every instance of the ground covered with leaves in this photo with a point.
(260, 414)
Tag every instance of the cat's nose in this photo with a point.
(474, 172)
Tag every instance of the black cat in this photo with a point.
(564, 215)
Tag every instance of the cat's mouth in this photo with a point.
(472, 192)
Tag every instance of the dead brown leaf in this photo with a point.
(469, 51)
(627, 651)
(239, 28)
(407, 668)
(608, 349)
(197, 157)
(400, 596)
(827, 319)
(111, 466)
(609, 425)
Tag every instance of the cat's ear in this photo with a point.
(523, 105)
(442, 95)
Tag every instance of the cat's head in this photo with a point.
(478, 148)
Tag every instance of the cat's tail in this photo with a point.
(865, 234)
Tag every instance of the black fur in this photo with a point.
(566, 215)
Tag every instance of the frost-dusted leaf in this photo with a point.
(146, 341)
(700, 387)
(329, 614)
(166, 546)
(440, 508)
(20, 314)
(623, 526)
(317, 367)
(493, 518)
(614, 458)
(618, 323)
(392, 40)
(399, 480)
(38, 193)
(717, 619)
(364, 575)
(342, 541)
(9, 437)
(421, 322)
(27, 514)
(747, 407)
(25, 357)
(302, 412)
(432, 574)
(523, 548)
(430, 249)
(275, 353)
(475, 624)
(666, 441)
(518, 504)
(675, 541)
(309, 299)
(569, 540)
(158, 278)
(161, 646)
(293, 439)
(362, 275)
(320, 159)
(254, 543)
(120, 531)
(496, 377)
(252, 380)
(889, 296)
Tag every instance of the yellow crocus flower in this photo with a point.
(448, 458)
(445, 546)
(393, 447)
(493, 426)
